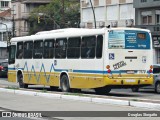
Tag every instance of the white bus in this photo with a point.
(76, 58)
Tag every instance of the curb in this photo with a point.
(110, 101)
(153, 106)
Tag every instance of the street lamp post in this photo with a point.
(93, 14)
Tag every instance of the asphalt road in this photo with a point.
(27, 103)
(49, 107)
(122, 93)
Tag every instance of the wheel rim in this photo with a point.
(158, 88)
(64, 85)
(21, 80)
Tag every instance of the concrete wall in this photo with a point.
(148, 3)
(109, 12)
(3, 53)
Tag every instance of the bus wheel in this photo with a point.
(20, 80)
(102, 90)
(157, 87)
(64, 84)
(135, 89)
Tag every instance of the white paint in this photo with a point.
(110, 101)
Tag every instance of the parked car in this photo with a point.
(156, 82)
(3, 69)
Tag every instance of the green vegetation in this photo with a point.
(12, 87)
(55, 15)
(76, 94)
(134, 100)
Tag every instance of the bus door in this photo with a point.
(11, 62)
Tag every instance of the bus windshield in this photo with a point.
(128, 39)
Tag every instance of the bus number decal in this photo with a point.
(119, 65)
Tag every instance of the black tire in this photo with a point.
(157, 87)
(135, 89)
(76, 90)
(21, 83)
(102, 90)
(53, 88)
(65, 84)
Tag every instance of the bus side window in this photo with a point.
(19, 54)
(28, 49)
(60, 48)
(88, 47)
(73, 50)
(99, 46)
(48, 49)
(38, 49)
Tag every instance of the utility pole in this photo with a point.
(63, 15)
(13, 26)
(93, 14)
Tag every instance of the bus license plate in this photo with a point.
(130, 81)
(130, 72)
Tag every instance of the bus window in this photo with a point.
(99, 46)
(60, 48)
(28, 49)
(38, 49)
(48, 49)
(73, 50)
(88, 47)
(19, 54)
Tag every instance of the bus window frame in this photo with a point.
(88, 48)
(19, 52)
(48, 48)
(101, 46)
(61, 48)
(32, 49)
(79, 47)
(41, 53)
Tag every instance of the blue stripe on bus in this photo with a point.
(80, 71)
(15, 68)
(52, 69)
(11, 68)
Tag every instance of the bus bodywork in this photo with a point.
(121, 65)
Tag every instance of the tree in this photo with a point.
(57, 14)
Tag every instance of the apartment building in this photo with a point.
(4, 5)
(21, 11)
(117, 13)
(148, 17)
(5, 27)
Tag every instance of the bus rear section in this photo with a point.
(130, 59)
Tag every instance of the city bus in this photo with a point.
(81, 58)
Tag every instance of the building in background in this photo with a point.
(148, 17)
(117, 13)
(5, 27)
(4, 5)
(21, 10)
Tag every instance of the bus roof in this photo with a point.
(68, 32)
